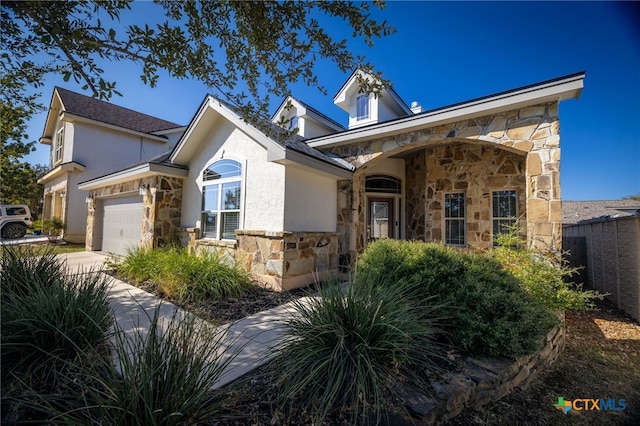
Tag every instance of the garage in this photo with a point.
(121, 224)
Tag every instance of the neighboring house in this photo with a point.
(89, 138)
(294, 209)
(577, 211)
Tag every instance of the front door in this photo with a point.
(381, 222)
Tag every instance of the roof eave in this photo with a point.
(60, 170)
(137, 172)
(554, 90)
(291, 157)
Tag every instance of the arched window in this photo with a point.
(383, 183)
(362, 107)
(221, 189)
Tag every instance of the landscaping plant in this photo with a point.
(162, 375)
(184, 276)
(488, 312)
(345, 350)
(48, 317)
(543, 276)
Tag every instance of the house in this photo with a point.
(89, 138)
(574, 212)
(291, 208)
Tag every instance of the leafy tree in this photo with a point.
(244, 50)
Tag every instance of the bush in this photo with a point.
(542, 276)
(48, 318)
(487, 311)
(348, 350)
(163, 376)
(183, 276)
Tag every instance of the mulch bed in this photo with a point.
(601, 360)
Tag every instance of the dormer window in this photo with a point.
(293, 124)
(362, 107)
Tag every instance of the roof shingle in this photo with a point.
(108, 113)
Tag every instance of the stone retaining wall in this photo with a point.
(480, 382)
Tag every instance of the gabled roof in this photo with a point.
(557, 89)
(578, 211)
(387, 93)
(281, 145)
(105, 112)
(308, 110)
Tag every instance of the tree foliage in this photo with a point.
(243, 50)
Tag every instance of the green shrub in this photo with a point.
(487, 311)
(45, 310)
(48, 318)
(163, 376)
(542, 276)
(348, 350)
(183, 276)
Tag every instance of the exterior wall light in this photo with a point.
(144, 189)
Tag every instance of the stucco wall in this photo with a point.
(103, 150)
(263, 199)
(310, 202)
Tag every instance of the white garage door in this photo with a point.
(121, 224)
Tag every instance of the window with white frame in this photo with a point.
(454, 219)
(504, 211)
(221, 189)
(293, 124)
(59, 146)
(362, 107)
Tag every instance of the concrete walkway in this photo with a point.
(252, 338)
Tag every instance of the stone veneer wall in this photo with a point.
(161, 209)
(480, 381)
(475, 170)
(532, 131)
(279, 260)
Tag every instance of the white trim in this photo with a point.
(138, 172)
(556, 90)
(61, 169)
(219, 182)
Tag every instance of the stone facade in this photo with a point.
(281, 261)
(161, 209)
(479, 382)
(512, 150)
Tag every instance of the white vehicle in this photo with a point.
(15, 219)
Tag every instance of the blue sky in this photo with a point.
(448, 52)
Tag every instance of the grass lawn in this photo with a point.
(59, 248)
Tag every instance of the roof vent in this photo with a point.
(416, 107)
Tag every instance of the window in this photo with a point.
(504, 211)
(293, 124)
(454, 219)
(59, 144)
(362, 105)
(221, 188)
(383, 183)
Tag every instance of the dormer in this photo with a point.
(369, 108)
(306, 121)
